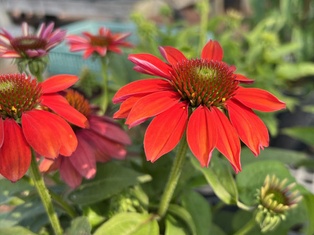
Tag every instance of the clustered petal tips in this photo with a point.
(99, 43)
(202, 97)
(275, 199)
(33, 117)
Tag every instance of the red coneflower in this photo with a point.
(33, 115)
(201, 97)
(99, 43)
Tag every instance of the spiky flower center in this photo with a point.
(18, 94)
(25, 43)
(98, 40)
(78, 101)
(204, 82)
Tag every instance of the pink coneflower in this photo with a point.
(102, 141)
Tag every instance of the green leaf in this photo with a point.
(9, 189)
(174, 226)
(295, 71)
(219, 176)
(286, 156)
(200, 211)
(111, 178)
(253, 175)
(79, 226)
(130, 224)
(304, 134)
(308, 200)
(15, 231)
(184, 215)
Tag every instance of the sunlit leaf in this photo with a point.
(130, 224)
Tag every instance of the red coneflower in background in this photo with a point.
(30, 45)
(99, 43)
(33, 115)
(201, 97)
(101, 141)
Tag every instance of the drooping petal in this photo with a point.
(126, 107)
(83, 158)
(259, 99)
(243, 79)
(228, 142)
(69, 174)
(251, 129)
(212, 51)
(141, 87)
(108, 129)
(151, 64)
(202, 134)
(1, 132)
(165, 131)
(171, 54)
(58, 83)
(48, 134)
(151, 105)
(15, 153)
(60, 105)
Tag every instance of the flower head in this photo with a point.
(98, 44)
(101, 141)
(275, 199)
(30, 45)
(201, 97)
(32, 115)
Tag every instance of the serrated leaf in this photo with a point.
(219, 177)
(304, 134)
(111, 179)
(15, 231)
(174, 226)
(130, 224)
(184, 215)
(253, 175)
(200, 211)
(79, 226)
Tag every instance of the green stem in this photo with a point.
(246, 228)
(64, 205)
(44, 195)
(105, 98)
(173, 177)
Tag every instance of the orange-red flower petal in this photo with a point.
(151, 105)
(171, 54)
(202, 134)
(165, 131)
(259, 99)
(251, 129)
(15, 153)
(141, 87)
(150, 65)
(212, 51)
(1, 132)
(228, 142)
(48, 134)
(58, 83)
(60, 105)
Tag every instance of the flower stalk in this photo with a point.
(44, 195)
(105, 96)
(246, 228)
(173, 177)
